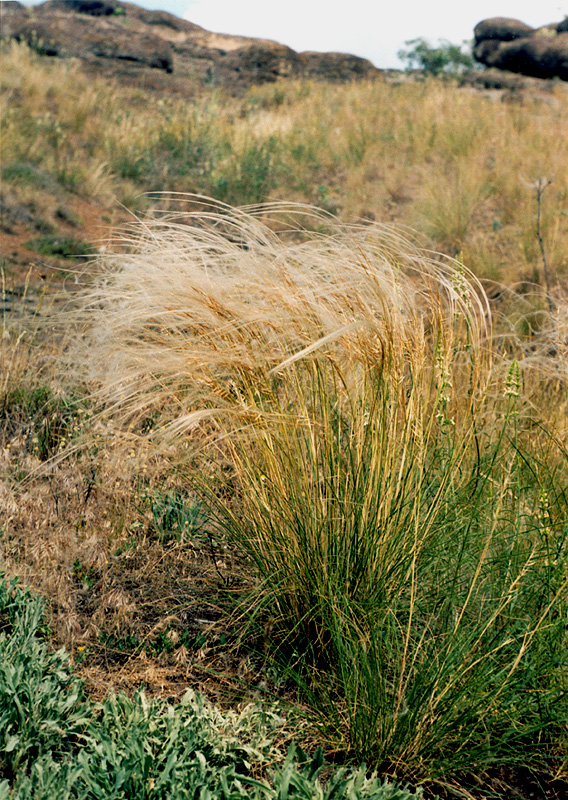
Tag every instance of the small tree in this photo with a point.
(446, 58)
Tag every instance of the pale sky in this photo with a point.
(374, 29)
(371, 28)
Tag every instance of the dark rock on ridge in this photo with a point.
(79, 36)
(513, 84)
(161, 50)
(96, 8)
(261, 63)
(336, 66)
(510, 45)
(502, 29)
(536, 57)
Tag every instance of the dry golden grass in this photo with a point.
(455, 163)
(197, 298)
(203, 311)
(133, 601)
(375, 433)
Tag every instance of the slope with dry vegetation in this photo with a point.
(456, 164)
(268, 451)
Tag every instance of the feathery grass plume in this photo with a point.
(193, 301)
(378, 482)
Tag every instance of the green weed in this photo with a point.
(41, 702)
(84, 575)
(54, 743)
(174, 517)
(249, 176)
(61, 247)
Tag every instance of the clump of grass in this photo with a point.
(409, 539)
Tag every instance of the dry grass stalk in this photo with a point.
(201, 307)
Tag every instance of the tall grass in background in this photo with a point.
(452, 161)
(402, 504)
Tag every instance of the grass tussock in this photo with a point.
(400, 498)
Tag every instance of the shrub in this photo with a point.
(41, 704)
(446, 58)
(61, 247)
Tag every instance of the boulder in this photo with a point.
(490, 78)
(261, 63)
(75, 35)
(486, 51)
(535, 57)
(508, 44)
(340, 67)
(501, 28)
(95, 8)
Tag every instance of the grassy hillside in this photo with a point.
(289, 451)
(458, 165)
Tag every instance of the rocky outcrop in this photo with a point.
(95, 8)
(166, 52)
(261, 63)
(512, 84)
(339, 67)
(510, 45)
(53, 32)
(501, 29)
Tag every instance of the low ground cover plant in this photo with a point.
(55, 743)
(401, 499)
